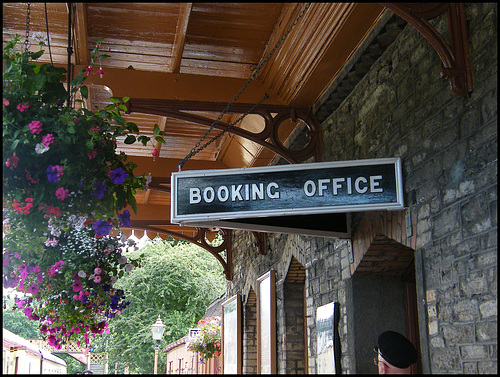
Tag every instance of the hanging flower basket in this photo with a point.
(207, 342)
(66, 192)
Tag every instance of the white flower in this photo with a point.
(55, 232)
(148, 181)
(50, 242)
(40, 148)
(38, 36)
(122, 260)
(82, 274)
(129, 267)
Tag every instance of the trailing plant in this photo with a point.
(66, 193)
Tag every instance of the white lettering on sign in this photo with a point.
(361, 186)
(235, 192)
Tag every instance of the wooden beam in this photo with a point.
(180, 36)
(176, 86)
(163, 167)
(82, 54)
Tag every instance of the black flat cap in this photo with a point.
(396, 349)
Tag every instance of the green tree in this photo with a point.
(176, 280)
(16, 321)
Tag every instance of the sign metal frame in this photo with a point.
(229, 218)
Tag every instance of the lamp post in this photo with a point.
(157, 328)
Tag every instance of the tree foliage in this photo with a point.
(16, 321)
(177, 280)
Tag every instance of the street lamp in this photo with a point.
(157, 328)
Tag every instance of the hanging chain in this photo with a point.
(70, 52)
(27, 43)
(48, 36)
(197, 147)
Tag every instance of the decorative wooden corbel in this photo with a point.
(260, 242)
(455, 55)
(199, 239)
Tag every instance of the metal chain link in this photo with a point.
(197, 147)
(27, 43)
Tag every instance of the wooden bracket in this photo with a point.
(198, 239)
(268, 137)
(260, 242)
(454, 55)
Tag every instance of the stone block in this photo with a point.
(455, 334)
(474, 284)
(446, 222)
(470, 368)
(488, 309)
(486, 331)
(487, 367)
(445, 360)
(474, 352)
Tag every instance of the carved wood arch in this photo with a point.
(198, 239)
(454, 55)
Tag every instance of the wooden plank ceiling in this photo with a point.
(199, 52)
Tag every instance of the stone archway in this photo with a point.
(295, 352)
(383, 284)
(250, 334)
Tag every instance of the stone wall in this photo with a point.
(448, 147)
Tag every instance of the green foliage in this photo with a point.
(177, 280)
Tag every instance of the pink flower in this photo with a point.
(77, 286)
(6, 102)
(155, 153)
(88, 70)
(23, 106)
(62, 193)
(97, 271)
(93, 154)
(35, 127)
(97, 279)
(100, 72)
(12, 161)
(47, 139)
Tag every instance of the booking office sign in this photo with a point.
(278, 198)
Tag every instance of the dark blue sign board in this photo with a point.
(266, 197)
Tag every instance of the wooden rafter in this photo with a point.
(82, 54)
(180, 36)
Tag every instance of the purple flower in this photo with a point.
(54, 173)
(118, 176)
(33, 289)
(125, 218)
(102, 228)
(99, 191)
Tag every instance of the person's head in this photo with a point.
(395, 353)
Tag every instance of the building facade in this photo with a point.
(428, 271)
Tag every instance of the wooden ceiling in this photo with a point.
(203, 52)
